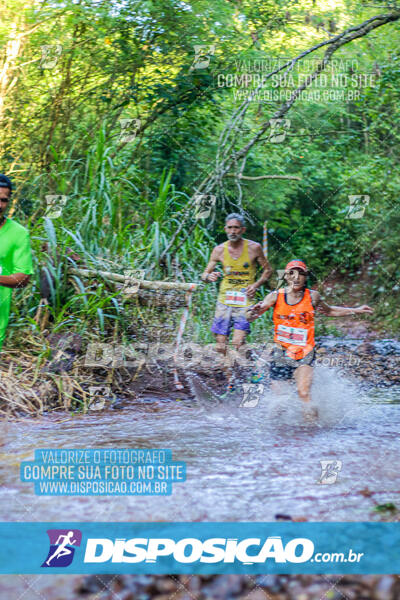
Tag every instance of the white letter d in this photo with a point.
(106, 551)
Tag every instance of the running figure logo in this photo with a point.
(251, 394)
(357, 206)
(62, 547)
(329, 471)
(202, 57)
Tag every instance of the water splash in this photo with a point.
(339, 400)
(336, 401)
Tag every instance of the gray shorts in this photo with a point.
(283, 367)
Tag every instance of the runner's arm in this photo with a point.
(18, 280)
(265, 275)
(209, 273)
(337, 311)
(253, 312)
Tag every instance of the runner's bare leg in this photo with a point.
(303, 376)
(222, 343)
(222, 347)
(239, 338)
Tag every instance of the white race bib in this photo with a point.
(292, 335)
(235, 298)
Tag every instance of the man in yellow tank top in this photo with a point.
(239, 258)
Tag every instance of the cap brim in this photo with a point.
(299, 268)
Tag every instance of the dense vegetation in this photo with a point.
(127, 194)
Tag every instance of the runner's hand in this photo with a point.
(253, 312)
(251, 290)
(364, 309)
(213, 276)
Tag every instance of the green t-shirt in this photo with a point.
(15, 257)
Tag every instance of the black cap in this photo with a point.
(5, 182)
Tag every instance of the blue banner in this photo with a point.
(250, 548)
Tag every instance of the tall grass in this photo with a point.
(112, 226)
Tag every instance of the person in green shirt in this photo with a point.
(15, 256)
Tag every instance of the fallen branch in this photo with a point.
(147, 285)
(240, 176)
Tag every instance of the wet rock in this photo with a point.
(166, 585)
(127, 587)
(95, 583)
(273, 583)
(194, 585)
(365, 348)
(255, 594)
(117, 403)
(240, 587)
(358, 331)
(223, 586)
(384, 589)
(387, 347)
(138, 581)
(367, 493)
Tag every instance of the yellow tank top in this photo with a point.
(238, 274)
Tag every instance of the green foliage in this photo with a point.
(61, 134)
(386, 507)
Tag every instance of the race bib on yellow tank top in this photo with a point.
(235, 298)
(239, 273)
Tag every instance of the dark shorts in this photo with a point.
(227, 317)
(283, 367)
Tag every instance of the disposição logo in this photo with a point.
(62, 547)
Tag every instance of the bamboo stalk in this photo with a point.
(147, 285)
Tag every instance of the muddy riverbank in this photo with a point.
(68, 381)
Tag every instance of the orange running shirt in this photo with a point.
(294, 325)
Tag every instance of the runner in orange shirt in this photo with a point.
(293, 316)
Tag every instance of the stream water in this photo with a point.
(244, 464)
